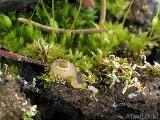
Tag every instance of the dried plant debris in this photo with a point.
(117, 69)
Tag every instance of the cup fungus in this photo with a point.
(66, 70)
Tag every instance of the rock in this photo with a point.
(12, 5)
(2, 81)
(144, 10)
(141, 15)
(12, 103)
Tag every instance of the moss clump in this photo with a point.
(115, 70)
(83, 50)
(5, 22)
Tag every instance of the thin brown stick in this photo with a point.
(20, 58)
(103, 12)
(59, 30)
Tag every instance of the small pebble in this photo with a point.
(24, 82)
(132, 95)
(2, 81)
(3, 104)
(119, 104)
(93, 89)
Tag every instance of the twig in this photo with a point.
(20, 58)
(103, 12)
(60, 30)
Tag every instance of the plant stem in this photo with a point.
(53, 9)
(20, 58)
(45, 11)
(80, 5)
(103, 12)
(35, 9)
(153, 26)
(130, 5)
(60, 30)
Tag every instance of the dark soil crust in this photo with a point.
(66, 103)
(62, 102)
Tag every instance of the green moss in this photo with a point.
(40, 49)
(117, 7)
(13, 70)
(138, 43)
(5, 22)
(30, 113)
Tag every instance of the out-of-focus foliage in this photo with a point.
(117, 7)
(5, 22)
